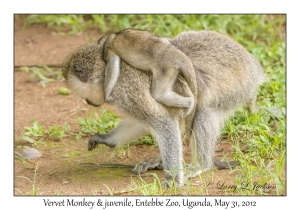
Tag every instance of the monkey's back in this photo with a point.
(227, 74)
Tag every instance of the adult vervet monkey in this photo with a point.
(227, 76)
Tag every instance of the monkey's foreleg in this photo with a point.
(206, 128)
(112, 73)
(127, 131)
(167, 134)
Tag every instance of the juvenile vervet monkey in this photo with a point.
(148, 52)
(151, 53)
(227, 75)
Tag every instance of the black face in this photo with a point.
(91, 103)
(80, 73)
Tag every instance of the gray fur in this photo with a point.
(228, 77)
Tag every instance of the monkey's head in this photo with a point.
(84, 72)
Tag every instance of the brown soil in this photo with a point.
(38, 45)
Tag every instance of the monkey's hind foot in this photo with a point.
(172, 99)
(180, 101)
(189, 104)
(153, 163)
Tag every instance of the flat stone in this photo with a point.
(30, 153)
(66, 156)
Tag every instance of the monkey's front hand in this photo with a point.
(98, 139)
(93, 143)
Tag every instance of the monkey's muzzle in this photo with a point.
(91, 103)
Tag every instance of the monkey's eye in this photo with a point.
(77, 68)
(80, 73)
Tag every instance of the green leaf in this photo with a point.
(67, 127)
(78, 136)
(30, 140)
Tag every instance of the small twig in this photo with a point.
(75, 110)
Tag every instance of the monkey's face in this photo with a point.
(84, 73)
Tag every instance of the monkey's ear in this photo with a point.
(102, 40)
(112, 73)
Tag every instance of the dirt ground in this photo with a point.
(57, 175)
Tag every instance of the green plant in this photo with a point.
(42, 74)
(22, 160)
(74, 23)
(265, 160)
(109, 190)
(95, 124)
(147, 140)
(147, 188)
(38, 133)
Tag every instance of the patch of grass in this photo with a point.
(43, 74)
(74, 23)
(90, 125)
(35, 186)
(264, 162)
(152, 186)
(240, 27)
(143, 187)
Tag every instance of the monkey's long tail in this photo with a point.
(223, 165)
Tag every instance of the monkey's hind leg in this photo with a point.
(161, 90)
(206, 129)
